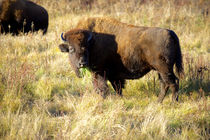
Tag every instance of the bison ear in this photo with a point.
(64, 47)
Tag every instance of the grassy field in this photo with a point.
(41, 97)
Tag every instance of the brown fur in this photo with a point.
(118, 51)
(20, 15)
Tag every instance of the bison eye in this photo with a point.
(71, 49)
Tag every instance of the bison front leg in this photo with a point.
(118, 85)
(100, 84)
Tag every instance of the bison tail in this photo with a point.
(178, 61)
(179, 64)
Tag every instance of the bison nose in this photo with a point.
(82, 63)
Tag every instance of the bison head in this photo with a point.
(77, 43)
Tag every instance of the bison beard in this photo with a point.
(117, 51)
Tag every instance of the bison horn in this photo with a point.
(90, 37)
(62, 37)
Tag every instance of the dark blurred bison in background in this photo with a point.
(116, 51)
(22, 16)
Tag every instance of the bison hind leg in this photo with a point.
(118, 85)
(164, 89)
(169, 80)
(175, 89)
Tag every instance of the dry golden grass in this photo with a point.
(41, 98)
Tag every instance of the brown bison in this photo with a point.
(22, 16)
(116, 51)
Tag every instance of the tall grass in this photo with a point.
(41, 98)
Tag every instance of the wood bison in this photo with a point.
(116, 51)
(22, 16)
